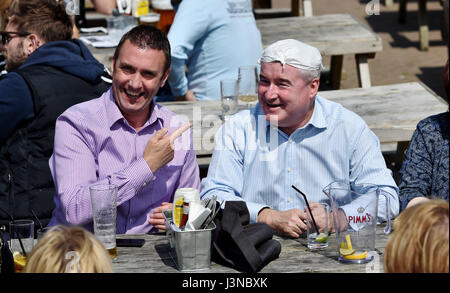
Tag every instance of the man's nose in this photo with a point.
(271, 92)
(135, 81)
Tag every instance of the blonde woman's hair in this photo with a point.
(68, 250)
(419, 243)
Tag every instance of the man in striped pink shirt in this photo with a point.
(124, 138)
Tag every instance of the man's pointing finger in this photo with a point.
(179, 131)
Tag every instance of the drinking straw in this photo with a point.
(307, 204)
(20, 241)
(40, 224)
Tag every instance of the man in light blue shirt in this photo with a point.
(212, 39)
(293, 137)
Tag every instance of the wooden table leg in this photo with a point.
(336, 71)
(295, 8)
(423, 26)
(402, 146)
(307, 8)
(402, 11)
(362, 68)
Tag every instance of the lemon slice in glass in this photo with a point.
(349, 242)
(346, 251)
(362, 255)
(19, 260)
(322, 237)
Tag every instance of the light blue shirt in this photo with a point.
(212, 38)
(256, 162)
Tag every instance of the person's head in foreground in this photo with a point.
(419, 243)
(68, 250)
(289, 81)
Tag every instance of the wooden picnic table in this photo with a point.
(156, 256)
(334, 35)
(391, 112)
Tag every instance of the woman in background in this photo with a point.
(425, 170)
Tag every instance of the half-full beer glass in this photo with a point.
(248, 85)
(104, 212)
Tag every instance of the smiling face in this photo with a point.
(137, 76)
(283, 93)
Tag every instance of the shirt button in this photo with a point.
(289, 170)
(290, 140)
(289, 199)
(131, 221)
(145, 184)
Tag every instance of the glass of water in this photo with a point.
(228, 94)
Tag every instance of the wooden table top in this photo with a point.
(391, 111)
(156, 257)
(332, 34)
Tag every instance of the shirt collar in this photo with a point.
(113, 112)
(318, 117)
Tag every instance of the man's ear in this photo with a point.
(164, 79)
(113, 64)
(33, 43)
(314, 87)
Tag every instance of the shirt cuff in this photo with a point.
(254, 209)
(139, 175)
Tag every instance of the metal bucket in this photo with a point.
(192, 248)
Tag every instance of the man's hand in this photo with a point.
(320, 216)
(156, 218)
(288, 222)
(160, 150)
(188, 96)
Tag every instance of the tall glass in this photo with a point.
(248, 85)
(21, 241)
(104, 212)
(228, 94)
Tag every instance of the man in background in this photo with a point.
(47, 73)
(211, 39)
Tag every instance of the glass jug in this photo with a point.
(355, 210)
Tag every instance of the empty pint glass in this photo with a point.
(104, 212)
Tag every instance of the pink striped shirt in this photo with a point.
(95, 144)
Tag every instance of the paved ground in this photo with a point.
(401, 60)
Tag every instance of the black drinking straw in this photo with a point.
(307, 204)
(21, 244)
(40, 224)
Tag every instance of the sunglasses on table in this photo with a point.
(7, 36)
